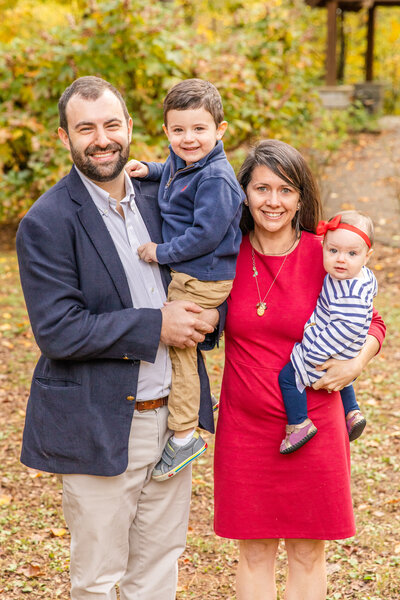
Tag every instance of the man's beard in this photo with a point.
(100, 172)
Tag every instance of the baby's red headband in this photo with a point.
(324, 226)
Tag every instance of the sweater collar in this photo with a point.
(178, 163)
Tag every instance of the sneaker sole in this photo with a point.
(215, 406)
(357, 430)
(183, 464)
(299, 444)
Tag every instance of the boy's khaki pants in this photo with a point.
(184, 399)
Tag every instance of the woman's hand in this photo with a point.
(340, 373)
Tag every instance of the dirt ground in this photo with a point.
(366, 176)
(34, 543)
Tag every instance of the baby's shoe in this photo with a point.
(355, 425)
(297, 436)
(175, 458)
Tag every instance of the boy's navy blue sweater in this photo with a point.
(201, 208)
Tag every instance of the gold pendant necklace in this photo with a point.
(261, 306)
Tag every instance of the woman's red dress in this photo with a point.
(260, 493)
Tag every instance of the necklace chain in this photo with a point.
(261, 305)
(296, 239)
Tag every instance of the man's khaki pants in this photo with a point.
(128, 529)
(184, 399)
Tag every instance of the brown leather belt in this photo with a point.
(151, 404)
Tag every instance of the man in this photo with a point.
(97, 409)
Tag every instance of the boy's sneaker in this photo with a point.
(215, 403)
(175, 458)
(297, 436)
(355, 425)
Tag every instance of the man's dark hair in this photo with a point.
(194, 93)
(89, 88)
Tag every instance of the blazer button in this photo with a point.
(125, 357)
(130, 398)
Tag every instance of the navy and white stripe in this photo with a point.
(338, 326)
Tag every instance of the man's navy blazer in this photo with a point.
(91, 338)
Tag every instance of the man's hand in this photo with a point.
(181, 325)
(211, 316)
(147, 252)
(135, 168)
(339, 373)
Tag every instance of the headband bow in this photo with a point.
(324, 226)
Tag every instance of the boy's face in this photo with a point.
(344, 253)
(192, 133)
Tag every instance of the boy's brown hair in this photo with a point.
(194, 93)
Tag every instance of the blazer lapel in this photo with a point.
(94, 226)
(148, 207)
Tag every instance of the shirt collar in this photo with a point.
(102, 199)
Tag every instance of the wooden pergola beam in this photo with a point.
(349, 5)
(369, 56)
(331, 63)
(353, 5)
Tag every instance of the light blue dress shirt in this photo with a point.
(144, 279)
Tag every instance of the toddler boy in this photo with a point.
(200, 202)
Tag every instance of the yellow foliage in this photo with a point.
(58, 532)
(4, 500)
(24, 18)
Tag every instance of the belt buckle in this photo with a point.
(151, 405)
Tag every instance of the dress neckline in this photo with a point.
(274, 256)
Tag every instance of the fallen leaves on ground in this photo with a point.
(34, 542)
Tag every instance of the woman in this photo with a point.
(261, 495)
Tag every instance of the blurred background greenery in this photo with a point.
(266, 58)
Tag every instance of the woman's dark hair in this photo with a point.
(286, 162)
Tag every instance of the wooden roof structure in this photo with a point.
(332, 7)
